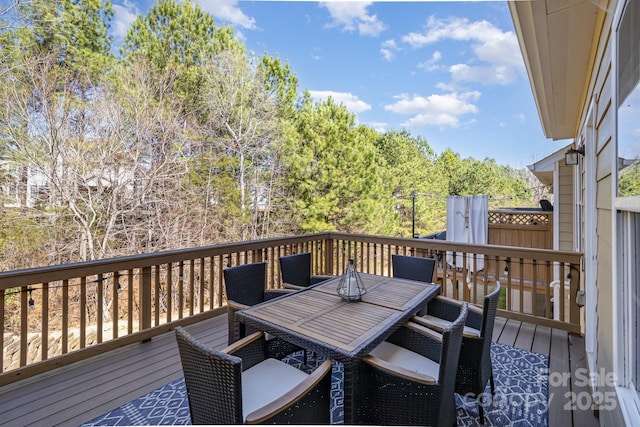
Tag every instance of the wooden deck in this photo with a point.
(78, 393)
(566, 355)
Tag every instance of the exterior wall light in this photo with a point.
(571, 156)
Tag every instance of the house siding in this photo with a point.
(601, 89)
(565, 208)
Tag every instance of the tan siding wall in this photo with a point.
(565, 208)
(605, 149)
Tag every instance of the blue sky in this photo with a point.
(451, 71)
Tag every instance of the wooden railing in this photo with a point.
(55, 315)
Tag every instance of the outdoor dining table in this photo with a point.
(317, 319)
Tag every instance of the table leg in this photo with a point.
(348, 393)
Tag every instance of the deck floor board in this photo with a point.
(509, 333)
(542, 340)
(524, 339)
(559, 390)
(80, 392)
(580, 389)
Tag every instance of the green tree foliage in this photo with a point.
(468, 177)
(242, 123)
(410, 168)
(629, 180)
(331, 172)
(189, 140)
(73, 31)
(280, 80)
(179, 36)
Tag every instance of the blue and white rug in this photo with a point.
(521, 382)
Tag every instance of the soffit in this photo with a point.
(543, 169)
(556, 39)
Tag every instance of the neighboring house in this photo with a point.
(583, 61)
(552, 172)
(36, 187)
(38, 184)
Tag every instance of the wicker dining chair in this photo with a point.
(241, 385)
(245, 286)
(413, 268)
(475, 368)
(296, 271)
(410, 378)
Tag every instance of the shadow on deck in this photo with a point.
(82, 391)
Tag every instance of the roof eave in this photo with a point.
(557, 44)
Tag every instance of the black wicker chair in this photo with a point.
(413, 268)
(475, 368)
(410, 378)
(241, 385)
(246, 286)
(296, 271)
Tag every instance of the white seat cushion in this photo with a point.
(267, 381)
(445, 323)
(407, 359)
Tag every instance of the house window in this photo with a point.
(629, 259)
(629, 101)
(628, 203)
(634, 284)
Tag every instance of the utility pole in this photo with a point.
(413, 214)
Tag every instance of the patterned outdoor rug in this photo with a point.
(521, 381)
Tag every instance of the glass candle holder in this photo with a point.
(350, 287)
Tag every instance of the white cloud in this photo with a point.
(123, 17)
(432, 63)
(488, 75)
(435, 110)
(497, 50)
(349, 100)
(387, 48)
(380, 127)
(353, 16)
(520, 117)
(228, 10)
(446, 87)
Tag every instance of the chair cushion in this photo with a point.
(445, 323)
(265, 382)
(407, 359)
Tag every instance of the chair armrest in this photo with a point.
(474, 318)
(448, 300)
(292, 286)
(471, 307)
(252, 349)
(475, 309)
(419, 320)
(421, 329)
(398, 371)
(436, 327)
(235, 306)
(449, 309)
(418, 339)
(291, 397)
(230, 349)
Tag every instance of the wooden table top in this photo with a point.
(391, 292)
(319, 314)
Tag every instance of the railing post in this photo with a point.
(145, 299)
(574, 286)
(328, 256)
